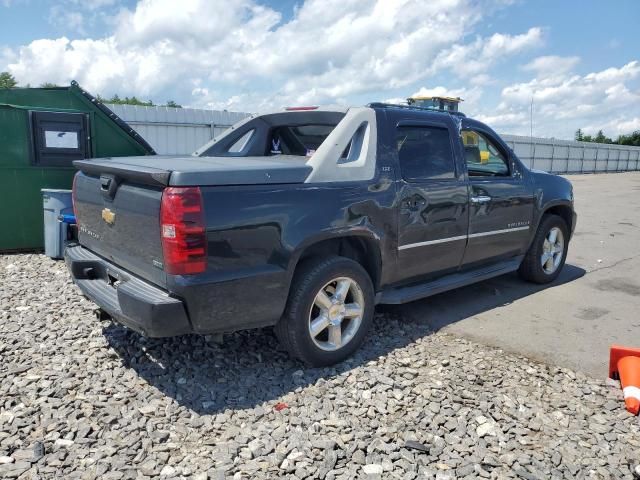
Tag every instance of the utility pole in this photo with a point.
(531, 120)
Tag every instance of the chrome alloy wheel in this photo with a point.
(336, 314)
(552, 250)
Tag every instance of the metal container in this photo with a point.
(42, 131)
(55, 204)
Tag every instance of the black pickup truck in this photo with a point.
(306, 219)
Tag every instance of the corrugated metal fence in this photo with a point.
(566, 156)
(176, 131)
(180, 131)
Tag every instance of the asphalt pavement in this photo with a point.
(572, 322)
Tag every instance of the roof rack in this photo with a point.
(413, 107)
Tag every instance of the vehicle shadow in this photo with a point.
(249, 369)
(441, 310)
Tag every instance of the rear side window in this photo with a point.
(425, 153)
(241, 143)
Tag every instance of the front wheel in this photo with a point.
(548, 251)
(329, 311)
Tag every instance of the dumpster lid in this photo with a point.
(76, 88)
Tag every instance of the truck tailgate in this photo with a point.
(118, 200)
(122, 225)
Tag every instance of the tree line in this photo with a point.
(8, 81)
(630, 139)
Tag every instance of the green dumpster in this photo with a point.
(42, 130)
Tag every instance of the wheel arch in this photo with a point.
(562, 209)
(360, 247)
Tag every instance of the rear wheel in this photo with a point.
(329, 311)
(548, 251)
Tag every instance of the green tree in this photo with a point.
(631, 139)
(602, 138)
(49, 85)
(135, 101)
(115, 99)
(7, 80)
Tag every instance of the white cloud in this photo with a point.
(243, 55)
(61, 16)
(572, 88)
(482, 79)
(396, 100)
(96, 4)
(82, 16)
(565, 102)
(197, 25)
(438, 91)
(551, 64)
(478, 56)
(328, 52)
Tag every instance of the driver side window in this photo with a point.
(483, 158)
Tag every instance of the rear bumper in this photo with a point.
(131, 301)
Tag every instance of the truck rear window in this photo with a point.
(298, 133)
(297, 139)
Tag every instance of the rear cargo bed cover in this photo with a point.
(201, 171)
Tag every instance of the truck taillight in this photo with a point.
(182, 228)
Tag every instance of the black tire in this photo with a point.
(531, 267)
(293, 328)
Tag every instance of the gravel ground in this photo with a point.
(86, 399)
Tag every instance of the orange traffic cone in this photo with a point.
(624, 363)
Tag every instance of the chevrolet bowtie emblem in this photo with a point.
(108, 216)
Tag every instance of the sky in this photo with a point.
(578, 61)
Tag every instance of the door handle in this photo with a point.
(480, 199)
